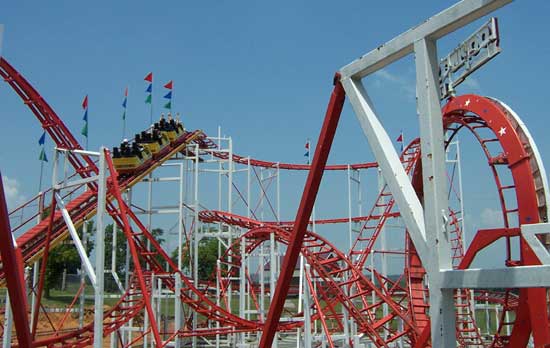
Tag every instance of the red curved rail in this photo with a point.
(470, 112)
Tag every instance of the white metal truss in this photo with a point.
(96, 275)
(427, 224)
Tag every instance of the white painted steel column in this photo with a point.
(8, 324)
(350, 214)
(220, 168)
(435, 192)
(128, 199)
(262, 252)
(177, 297)
(114, 342)
(36, 266)
(82, 277)
(35, 273)
(242, 284)
(196, 238)
(272, 275)
(383, 240)
(100, 251)
(307, 315)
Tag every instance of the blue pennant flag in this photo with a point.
(149, 88)
(124, 103)
(42, 139)
(306, 154)
(168, 95)
(85, 118)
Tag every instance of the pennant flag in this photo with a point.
(168, 105)
(85, 102)
(84, 130)
(149, 88)
(307, 145)
(125, 98)
(168, 95)
(306, 154)
(124, 115)
(85, 118)
(42, 139)
(148, 100)
(42, 156)
(149, 77)
(400, 140)
(169, 85)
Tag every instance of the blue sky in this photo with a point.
(260, 70)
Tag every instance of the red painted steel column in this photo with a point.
(14, 275)
(311, 188)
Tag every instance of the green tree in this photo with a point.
(65, 257)
(121, 246)
(208, 256)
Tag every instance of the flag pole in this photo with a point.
(151, 115)
(41, 173)
(125, 104)
(308, 151)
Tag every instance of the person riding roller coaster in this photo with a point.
(147, 144)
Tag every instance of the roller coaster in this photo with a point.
(282, 283)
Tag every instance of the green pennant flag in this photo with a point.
(148, 100)
(84, 130)
(42, 156)
(124, 115)
(168, 105)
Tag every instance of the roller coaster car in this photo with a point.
(130, 157)
(153, 141)
(147, 145)
(172, 129)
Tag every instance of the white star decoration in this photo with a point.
(467, 102)
(502, 131)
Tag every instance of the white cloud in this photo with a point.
(472, 83)
(491, 218)
(407, 86)
(12, 192)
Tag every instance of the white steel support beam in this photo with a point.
(100, 251)
(435, 192)
(8, 323)
(388, 161)
(434, 28)
(512, 277)
(76, 182)
(76, 240)
(177, 297)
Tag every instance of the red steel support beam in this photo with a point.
(311, 188)
(14, 275)
(115, 191)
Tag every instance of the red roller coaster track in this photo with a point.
(343, 275)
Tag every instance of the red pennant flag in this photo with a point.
(307, 145)
(169, 85)
(126, 92)
(149, 77)
(85, 102)
(400, 138)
